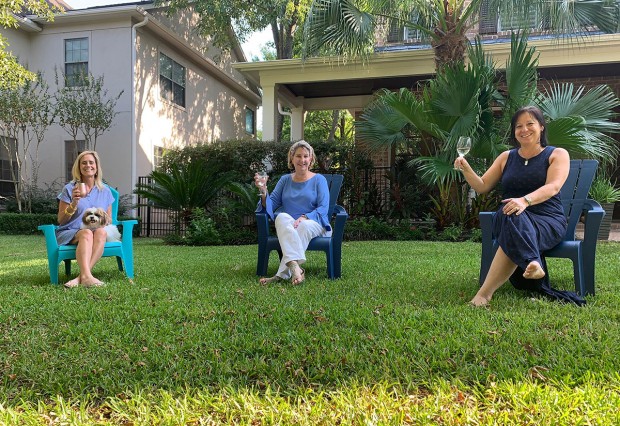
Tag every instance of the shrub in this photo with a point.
(24, 223)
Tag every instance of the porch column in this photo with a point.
(298, 115)
(270, 109)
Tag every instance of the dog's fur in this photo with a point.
(94, 218)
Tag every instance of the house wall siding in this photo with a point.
(215, 108)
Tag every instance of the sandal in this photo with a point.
(265, 280)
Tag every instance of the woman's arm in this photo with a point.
(486, 182)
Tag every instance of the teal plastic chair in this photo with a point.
(122, 250)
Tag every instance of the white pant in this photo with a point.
(294, 241)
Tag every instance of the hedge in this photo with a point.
(24, 223)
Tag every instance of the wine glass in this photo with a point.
(262, 178)
(463, 146)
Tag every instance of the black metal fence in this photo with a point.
(365, 192)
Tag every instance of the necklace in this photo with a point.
(527, 160)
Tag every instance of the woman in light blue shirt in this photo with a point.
(71, 206)
(298, 204)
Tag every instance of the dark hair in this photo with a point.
(538, 116)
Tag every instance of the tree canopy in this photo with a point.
(13, 74)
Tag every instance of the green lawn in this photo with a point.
(195, 340)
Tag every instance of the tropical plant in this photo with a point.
(184, 187)
(604, 191)
(466, 100)
(351, 28)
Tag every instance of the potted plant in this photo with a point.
(606, 193)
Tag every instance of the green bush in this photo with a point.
(24, 223)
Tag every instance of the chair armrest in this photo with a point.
(127, 228)
(486, 226)
(341, 218)
(49, 231)
(593, 216)
(262, 222)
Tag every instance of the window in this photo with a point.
(76, 61)
(6, 180)
(171, 80)
(71, 153)
(158, 157)
(249, 121)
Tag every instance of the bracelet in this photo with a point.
(72, 213)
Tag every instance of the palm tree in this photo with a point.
(350, 27)
(466, 100)
(185, 186)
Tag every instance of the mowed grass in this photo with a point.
(196, 340)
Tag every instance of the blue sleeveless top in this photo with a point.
(519, 179)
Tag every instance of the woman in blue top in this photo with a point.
(299, 203)
(72, 203)
(530, 219)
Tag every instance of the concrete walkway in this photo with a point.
(614, 234)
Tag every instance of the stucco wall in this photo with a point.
(214, 110)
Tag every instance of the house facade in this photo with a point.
(177, 89)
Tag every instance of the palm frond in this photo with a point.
(339, 27)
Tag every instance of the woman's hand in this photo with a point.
(299, 220)
(461, 164)
(76, 195)
(514, 206)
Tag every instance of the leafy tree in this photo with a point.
(26, 112)
(85, 109)
(350, 27)
(218, 17)
(12, 74)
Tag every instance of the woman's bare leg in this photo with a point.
(501, 269)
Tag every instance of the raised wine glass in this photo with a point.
(262, 178)
(463, 146)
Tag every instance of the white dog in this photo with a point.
(94, 218)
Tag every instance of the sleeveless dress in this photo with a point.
(526, 236)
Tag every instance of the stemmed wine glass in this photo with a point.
(262, 178)
(463, 146)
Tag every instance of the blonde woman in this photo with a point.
(84, 191)
(299, 203)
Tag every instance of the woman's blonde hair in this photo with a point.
(300, 144)
(75, 171)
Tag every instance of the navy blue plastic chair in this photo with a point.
(332, 246)
(122, 250)
(582, 253)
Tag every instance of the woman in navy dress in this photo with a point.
(530, 219)
(71, 206)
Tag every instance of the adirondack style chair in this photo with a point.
(332, 246)
(573, 194)
(122, 250)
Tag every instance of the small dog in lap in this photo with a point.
(94, 218)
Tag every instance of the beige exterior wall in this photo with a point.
(212, 111)
(215, 104)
